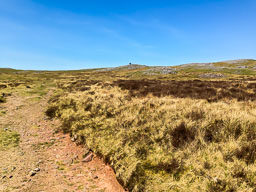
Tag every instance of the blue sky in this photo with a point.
(78, 34)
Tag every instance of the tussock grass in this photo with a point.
(164, 143)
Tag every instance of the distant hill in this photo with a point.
(218, 69)
(240, 63)
(7, 70)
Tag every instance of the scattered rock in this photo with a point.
(5, 169)
(32, 173)
(4, 177)
(39, 162)
(37, 169)
(160, 70)
(95, 177)
(88, 158)
(6, 129)
(212, 75)
(10, 176)
(242, 67)
(125, 67)
(74, 138)
(13, 168)
(237, 61)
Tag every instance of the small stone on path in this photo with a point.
(37, 169)
(88, 158)
(32, 173)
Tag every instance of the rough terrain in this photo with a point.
(45, 159)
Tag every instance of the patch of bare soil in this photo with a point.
(46, 160)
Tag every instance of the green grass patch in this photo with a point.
(35, 99)
(2, 112)
(61, 165)
(40, 90)
(8, 139)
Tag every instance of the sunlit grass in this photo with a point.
(8, 139)
(165, 143)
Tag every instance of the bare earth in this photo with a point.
(46, 160)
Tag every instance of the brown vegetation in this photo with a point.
(159, 141)
(196, 89)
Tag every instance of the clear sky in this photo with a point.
(78, 34)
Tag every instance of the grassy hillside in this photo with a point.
(164, 143)
(165, 135)
(183, 128)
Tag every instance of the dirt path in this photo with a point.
(46, 160)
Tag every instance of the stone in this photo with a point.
(37, 169)
(39, 162)
(88, 158)
(5, 169)
(32, 173)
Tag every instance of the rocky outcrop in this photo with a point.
(160, 70)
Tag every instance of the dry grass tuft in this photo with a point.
(164, 143)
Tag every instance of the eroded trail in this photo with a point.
(45, 160)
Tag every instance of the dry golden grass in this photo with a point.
(157, 138)
(164, 143)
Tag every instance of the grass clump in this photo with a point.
(2, 99)
(164, 143)
(2, 112)
(8, 139)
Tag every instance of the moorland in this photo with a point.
(182, 128)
